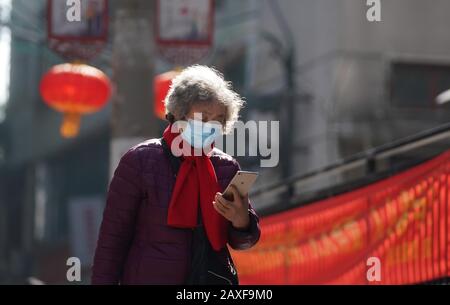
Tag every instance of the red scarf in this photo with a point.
(196, 182)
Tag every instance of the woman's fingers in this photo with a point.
(236, 196)
(219, 209)
(226, 203)
(223, 205)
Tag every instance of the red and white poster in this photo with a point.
(86, 21)
(77, 30)
(184, 29)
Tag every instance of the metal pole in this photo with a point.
(133, 69)
(288, 116)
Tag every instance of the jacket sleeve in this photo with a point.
(245, 239)
(240, 239)
(117, 228)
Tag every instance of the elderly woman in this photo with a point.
(165, 220)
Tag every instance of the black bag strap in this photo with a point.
(174, 161)
(205, 267)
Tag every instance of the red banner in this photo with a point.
(395, 231)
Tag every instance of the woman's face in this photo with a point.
(209, 111)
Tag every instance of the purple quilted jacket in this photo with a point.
(135, 245)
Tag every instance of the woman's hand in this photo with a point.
(235, 210)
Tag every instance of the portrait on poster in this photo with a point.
(181, 20)
(85, 19)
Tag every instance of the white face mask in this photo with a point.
(200, 134)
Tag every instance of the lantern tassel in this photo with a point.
(70, 125)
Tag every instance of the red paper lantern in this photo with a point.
(161, 86)
(74, 89)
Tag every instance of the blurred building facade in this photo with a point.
(359, 84)
(51, 188)
(42, 172)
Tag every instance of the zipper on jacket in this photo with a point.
(219, 276)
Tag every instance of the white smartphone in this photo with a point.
(243, 181)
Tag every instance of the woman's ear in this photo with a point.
(170, 117)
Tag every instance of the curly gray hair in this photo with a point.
(199, 83)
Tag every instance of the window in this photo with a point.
(416, 85)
